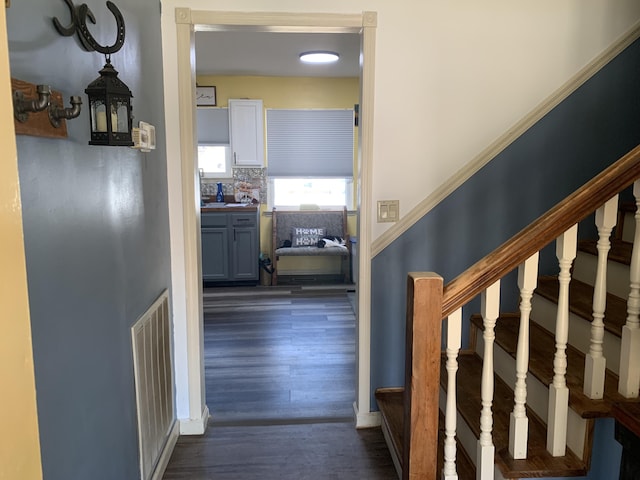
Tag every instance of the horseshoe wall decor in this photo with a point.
(78, 25)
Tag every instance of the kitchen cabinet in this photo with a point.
(230, 248)
(246, 132)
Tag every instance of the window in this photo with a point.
(310, 156)
(214, 152)
(328, 192)
(214, 161)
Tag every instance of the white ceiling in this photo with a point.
(274, 54)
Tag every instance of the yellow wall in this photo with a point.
(291, 92)
(19, 442)
(286, 92)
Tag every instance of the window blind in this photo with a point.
(213, 125)
(309, 143)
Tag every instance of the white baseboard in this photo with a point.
(366, 419)
(165, 455)
(195, 426)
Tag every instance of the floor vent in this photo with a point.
(153, 383)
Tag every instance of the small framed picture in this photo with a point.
(206, 96)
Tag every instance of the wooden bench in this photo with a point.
(293, 234)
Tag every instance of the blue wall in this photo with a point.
(588, 131)
(96, 236)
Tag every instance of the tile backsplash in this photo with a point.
(247, 184)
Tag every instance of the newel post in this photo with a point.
(422, 376)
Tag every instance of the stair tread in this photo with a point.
(628, 414)
(390, 402)
(541, 365)
(581, 302)
(540, 463)
(620, 250)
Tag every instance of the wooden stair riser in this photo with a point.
(544, 314)
(538, 398)
(584, 269)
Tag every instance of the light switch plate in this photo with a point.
(388, 210)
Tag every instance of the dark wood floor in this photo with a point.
(280, 381)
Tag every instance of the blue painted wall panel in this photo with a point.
(96, 237)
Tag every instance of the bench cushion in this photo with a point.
(311, 251)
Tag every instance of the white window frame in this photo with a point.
(228, 172)
(349, 198)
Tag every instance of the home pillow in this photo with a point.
(305, 236)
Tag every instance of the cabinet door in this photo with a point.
(246, 132)
(244, 253)
(215, 248)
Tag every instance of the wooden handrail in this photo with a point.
(541, 232)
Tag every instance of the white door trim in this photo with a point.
(184, 207)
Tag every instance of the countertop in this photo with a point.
(228, 207)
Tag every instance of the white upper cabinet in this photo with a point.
(246, 132)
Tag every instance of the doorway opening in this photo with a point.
(185, 224)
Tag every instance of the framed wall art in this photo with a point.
(206, 96)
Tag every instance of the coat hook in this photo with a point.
(71, 29)
(57, 113)
(22, 107)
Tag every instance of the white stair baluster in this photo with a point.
(454, 335)
(518, 422)
(595, 363)
(558, 391)
(486, 450)
(629, 381)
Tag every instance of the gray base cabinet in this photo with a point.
(230, 247)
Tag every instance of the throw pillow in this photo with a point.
(305, 236)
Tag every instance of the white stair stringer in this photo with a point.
(544, 312)
(584, 270)
(538, 399)
(386, 433)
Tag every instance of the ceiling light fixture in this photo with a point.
(319, 57)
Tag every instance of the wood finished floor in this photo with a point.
(280, 383)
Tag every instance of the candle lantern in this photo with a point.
(110, 108)
(109, 97)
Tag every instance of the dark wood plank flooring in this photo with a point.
(280, 385)
(283, 452)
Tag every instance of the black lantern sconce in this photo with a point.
(110, 108)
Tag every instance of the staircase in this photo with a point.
(522, 400)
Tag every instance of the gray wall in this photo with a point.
(591, 129)
(96, 236)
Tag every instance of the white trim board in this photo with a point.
(179, 76)
(195, 426)
(484, 157)
(366, 419)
